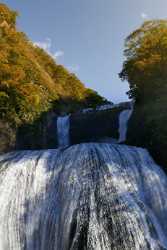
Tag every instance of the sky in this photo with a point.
(87, 36)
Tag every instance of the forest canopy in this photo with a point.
(146, 60)
(31, 82)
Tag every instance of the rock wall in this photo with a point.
(7, 137)
(94, 126)
(42, 134)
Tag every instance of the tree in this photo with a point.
(93, 99)
(7, 16)
(146, 60)
(31, 82)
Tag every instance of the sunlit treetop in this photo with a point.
(146, 58)
(7, 15)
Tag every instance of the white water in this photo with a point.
(105, 107)
(85, 197)
(99, 108)
(63, 127)
(123, 124)
(88, 110)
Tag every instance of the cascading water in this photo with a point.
(63, 127)
(123, 123)
(85, 197)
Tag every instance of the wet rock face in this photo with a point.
(41, 134)
(83, 127)
(85, 197)
(98, 125)
(7, 137)
(95, 125)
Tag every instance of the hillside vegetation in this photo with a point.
(30, 80)
(33, 84)
(145, 70)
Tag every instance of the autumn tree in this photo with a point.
(146, 60)
(31, 82)
(7, 16)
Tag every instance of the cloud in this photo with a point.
(73, 68)
(47, 46)
(58, 53)
(144, 15)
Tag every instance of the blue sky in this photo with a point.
(87, 36)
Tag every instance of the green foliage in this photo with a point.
(146, 60)
(93, 99)
(145, 70)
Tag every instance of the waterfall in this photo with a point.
(85, 197)
(123, 123)
(63, 127)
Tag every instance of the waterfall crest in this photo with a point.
(63, 127)
(85, 197)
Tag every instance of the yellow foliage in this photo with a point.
(29, 76)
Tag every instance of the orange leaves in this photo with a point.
(7, 15)
(147, 62)
(30, 76)
(18, 74)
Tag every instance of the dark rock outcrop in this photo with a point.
(95, 125)
(7, 137)
(42, 134)
(98, 125)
